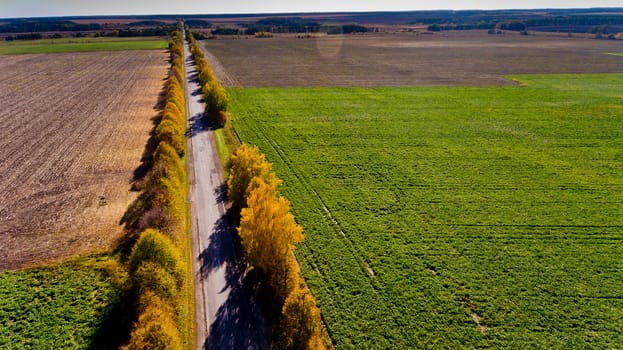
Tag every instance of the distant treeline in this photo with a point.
(289, 25)
(572, 23)
(34, 28)
(47, 26)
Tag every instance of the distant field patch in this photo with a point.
(59, 307)
(616, 53)
(471, 58)
(79, 45)
(454, 217)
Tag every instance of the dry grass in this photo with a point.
(74, 130)
(406, 59)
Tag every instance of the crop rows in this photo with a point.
(454, 217)
(68, 147)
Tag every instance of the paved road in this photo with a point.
(227, 315)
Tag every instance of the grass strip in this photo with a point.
(80, 46)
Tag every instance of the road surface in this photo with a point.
(227, 315)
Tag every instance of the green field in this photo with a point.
(426, 209)
(80, 45)
(74, 305)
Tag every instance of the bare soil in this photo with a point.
(407, 59)
(74, 130)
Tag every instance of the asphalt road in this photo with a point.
(226, 312)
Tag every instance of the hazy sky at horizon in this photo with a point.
(42, 8)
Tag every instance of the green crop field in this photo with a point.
(455, 217)
(74, 305)
(80, 45)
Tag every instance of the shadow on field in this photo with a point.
(113, 330)
(150, 146)
(238, 323)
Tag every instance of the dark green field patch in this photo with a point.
(428, 208)
(79, 45)
(68, 306)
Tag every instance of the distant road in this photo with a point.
(226, 312)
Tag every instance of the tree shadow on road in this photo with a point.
(239, 323)
(196, 125)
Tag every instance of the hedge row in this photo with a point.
(156, 268)
(268, 233)
(214, 95)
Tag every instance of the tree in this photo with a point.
(155, 329)
(158, 249)
(245, 164)
(300, 321)
(268, 233)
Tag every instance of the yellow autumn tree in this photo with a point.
(300, 321)
(246, 164)
(155, 329)
(268, 233)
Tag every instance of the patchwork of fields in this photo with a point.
(454, 217)
(74, 129)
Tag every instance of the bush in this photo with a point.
(155, 329)
(167, 131)
(151, 277)
(168, 195)
(167, 164)
(172, 112)
(156, 218)
(158, 249)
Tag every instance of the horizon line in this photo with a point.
(257, 14)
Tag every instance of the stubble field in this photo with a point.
(407, 59)
(74, 129)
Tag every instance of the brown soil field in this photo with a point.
(407, 59)
(74, 128)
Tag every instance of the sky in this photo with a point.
(43, 8)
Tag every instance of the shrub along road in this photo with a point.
(227, 315)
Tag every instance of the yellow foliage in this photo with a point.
(269, 232)
(155, 329)
(153, 278)
(168, 195)
(300, 321)
(157, 248)
(169, 132)
(173, 113)
(246, 164)
(167, 163)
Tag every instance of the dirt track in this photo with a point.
(74, 129)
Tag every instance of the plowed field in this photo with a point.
(448, 58)
(74, 127)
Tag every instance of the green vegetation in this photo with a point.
(616, 53)
(80, 45)
(74, 305)
(454, 217)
